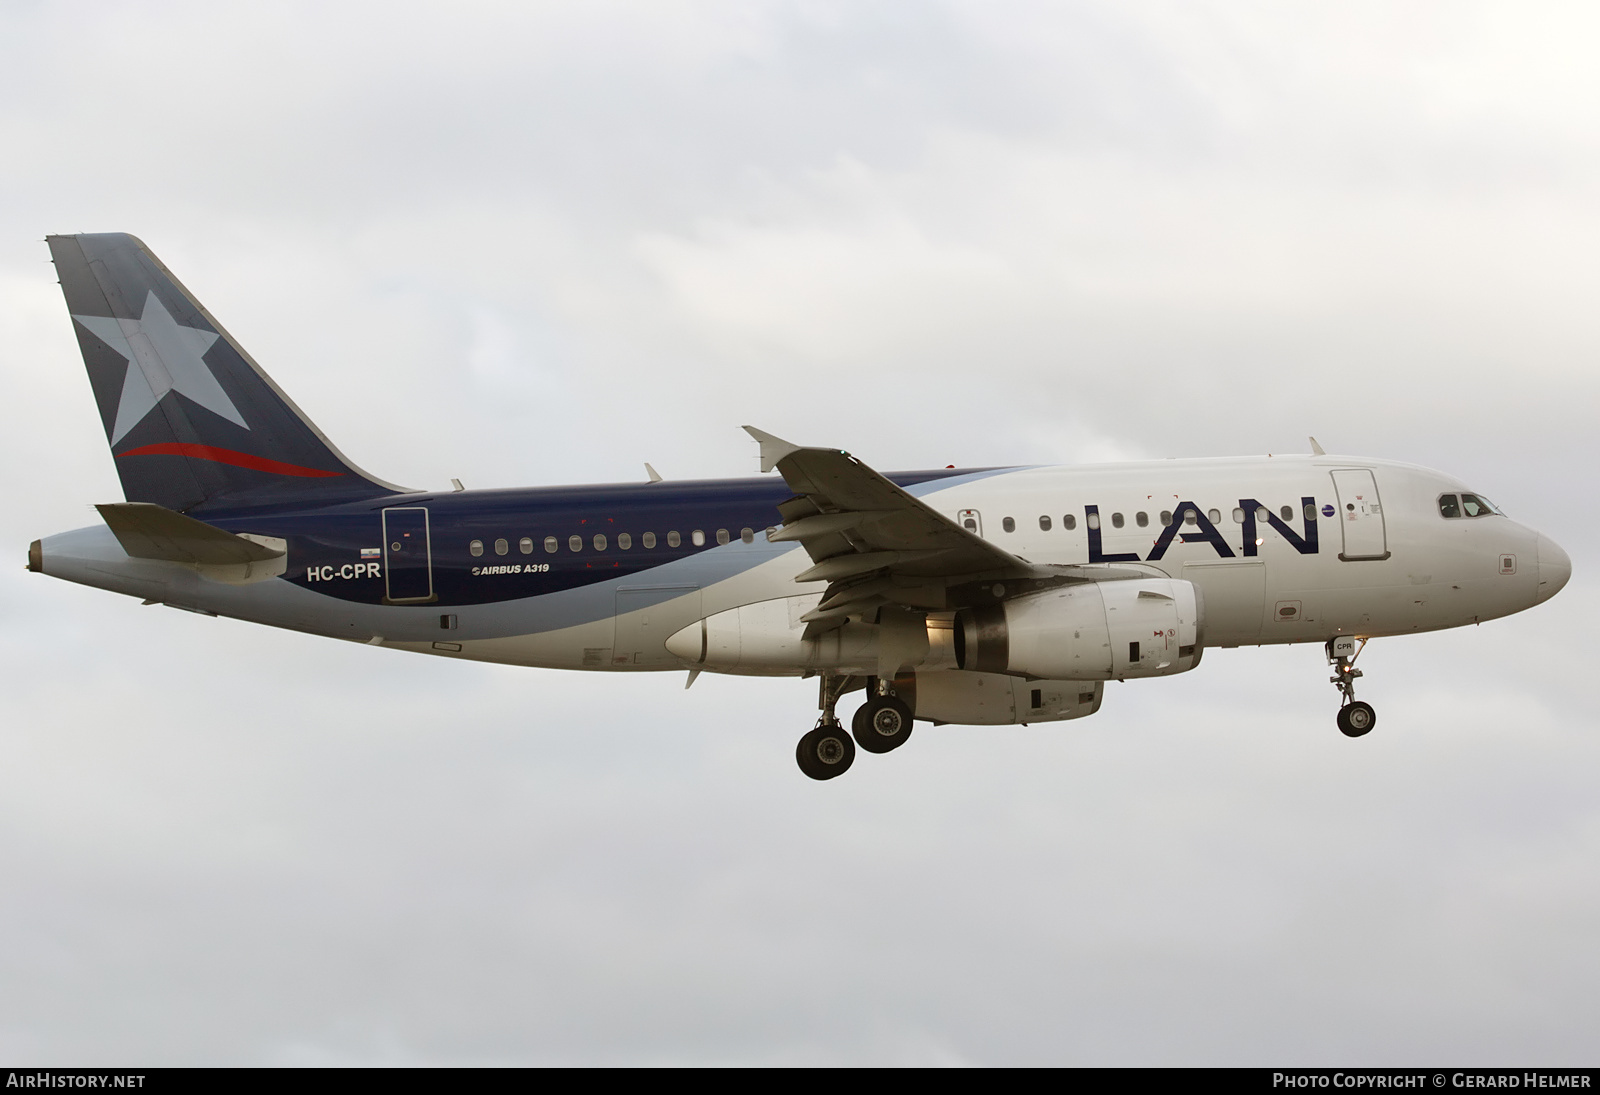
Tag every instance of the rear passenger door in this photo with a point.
(407, 556)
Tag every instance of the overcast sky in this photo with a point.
(532, 243)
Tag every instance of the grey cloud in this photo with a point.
(545, 244)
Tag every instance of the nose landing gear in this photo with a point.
(1355, 718)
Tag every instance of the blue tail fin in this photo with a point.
(194, 423)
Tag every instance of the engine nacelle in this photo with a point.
(1092, 631)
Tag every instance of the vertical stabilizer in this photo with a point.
(192, 420)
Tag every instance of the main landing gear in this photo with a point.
(1355, 718)
(827, 750)
(883, 723)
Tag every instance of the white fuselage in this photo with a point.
(1407, 568)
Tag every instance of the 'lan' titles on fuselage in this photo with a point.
(1205, 531)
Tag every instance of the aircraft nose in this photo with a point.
(1554, 569)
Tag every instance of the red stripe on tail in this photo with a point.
(228, 456)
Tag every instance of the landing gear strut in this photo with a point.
(1355, 718)
(827, 750)
(883, 722)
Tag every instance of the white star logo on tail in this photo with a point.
(163, 356)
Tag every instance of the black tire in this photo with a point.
(1357, 718)
(883, 723)
(857, 725)
(825, 752)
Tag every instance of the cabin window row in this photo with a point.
(601, 542)
(1142, 519)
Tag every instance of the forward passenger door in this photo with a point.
(1360, 515)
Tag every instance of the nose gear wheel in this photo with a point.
(1355, 718)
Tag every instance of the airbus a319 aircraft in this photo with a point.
(976, 596)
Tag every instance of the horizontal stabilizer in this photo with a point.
(148, 531)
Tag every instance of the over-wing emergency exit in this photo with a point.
(968, 596)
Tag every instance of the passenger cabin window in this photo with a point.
(1214, 516)
(1310, 511)
(525, 545)
(649, 539)
(1190, 518)
(575, 542)
(1116, 520)
(599, 541)
(1069, 521)
(551, 544)
(1262, 514)
(1008, 524)
(476, 547)
(1093, 520)
(698, 537)
(1044, 524)
(1142, 519)
(748, 535)
(501, 547)
(1287, 513)
(1238, 515)
(673, 539)
(1166, 518)
(722, 536)
(624, 541)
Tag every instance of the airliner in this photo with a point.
(976, 596)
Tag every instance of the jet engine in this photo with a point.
(1092, 631)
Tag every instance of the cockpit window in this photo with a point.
(1468, 505)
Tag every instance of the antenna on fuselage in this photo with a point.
(655, 476)
(1316, 449)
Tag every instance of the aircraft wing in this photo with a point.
(872, 541)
